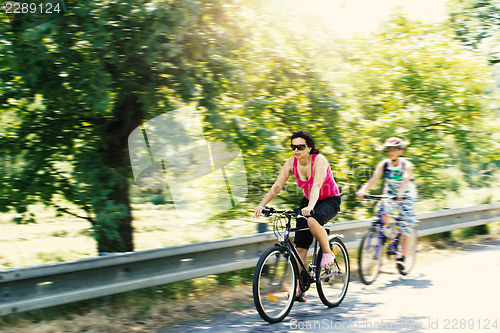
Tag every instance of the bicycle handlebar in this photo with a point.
(371, 196)
(268, 211)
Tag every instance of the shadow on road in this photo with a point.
(313, 316)
(385, 306)
(416, 281)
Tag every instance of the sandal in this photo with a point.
(327, 260)
(300, 296)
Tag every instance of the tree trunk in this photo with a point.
(114, 231)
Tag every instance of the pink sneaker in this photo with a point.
(327, 259)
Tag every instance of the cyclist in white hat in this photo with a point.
(398, 174)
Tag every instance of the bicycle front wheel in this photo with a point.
(274, 284)
(411, 254)
(369, 256)
(332, 282)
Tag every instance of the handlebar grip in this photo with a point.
(268, 211)
(298, 211)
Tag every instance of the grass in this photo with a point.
(54, 239)
(142, 310)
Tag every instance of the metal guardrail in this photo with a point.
(42, 286)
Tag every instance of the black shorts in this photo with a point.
(324, 211)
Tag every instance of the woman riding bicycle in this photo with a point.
(321, 194)
(398, 174)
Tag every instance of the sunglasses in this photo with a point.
(299, 147)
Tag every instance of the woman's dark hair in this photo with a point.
(309, 140)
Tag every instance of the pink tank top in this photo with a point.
(329, 187)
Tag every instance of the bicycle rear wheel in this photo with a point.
(369, 256)
(274, 284)
(332, 282)
(411, 254)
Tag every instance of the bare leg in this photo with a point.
(303, 255)
(320, 234)
(405, 244)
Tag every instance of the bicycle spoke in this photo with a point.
(274, 282)
(369, 257)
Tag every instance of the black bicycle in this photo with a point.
(378, 240)
(277, 271)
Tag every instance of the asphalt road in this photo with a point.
(458, 293)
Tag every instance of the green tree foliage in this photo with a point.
(476, 24)
(414, 81)
(74, 88)
(283, 68)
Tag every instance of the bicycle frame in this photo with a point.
(378, 223)
(310, 272)
(392, 242)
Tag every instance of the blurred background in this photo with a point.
(351, 72)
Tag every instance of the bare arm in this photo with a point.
(276, 188)
(379, 170)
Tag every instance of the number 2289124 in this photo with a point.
(31, 8)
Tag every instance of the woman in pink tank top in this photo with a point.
(321, 200)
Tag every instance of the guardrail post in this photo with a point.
(108, 298)
(262, 227)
